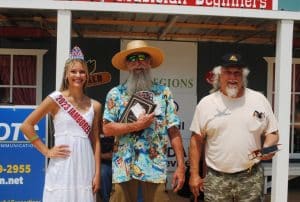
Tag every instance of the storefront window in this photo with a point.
(20, 76)
(15, 76)
(295, 103)
(295, 120)
(4, 78)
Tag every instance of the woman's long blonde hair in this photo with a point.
(69, 63)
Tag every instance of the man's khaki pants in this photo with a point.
(127, 192)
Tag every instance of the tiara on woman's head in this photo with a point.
(76, 53)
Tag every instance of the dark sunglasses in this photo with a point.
(137, 57)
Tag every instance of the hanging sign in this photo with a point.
(245, 4)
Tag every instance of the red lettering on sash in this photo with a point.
(71, 111)
(63, 103)
(76, 115)
(81, 123)
(80, 120)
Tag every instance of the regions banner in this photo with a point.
(22, 167)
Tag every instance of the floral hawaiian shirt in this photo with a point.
(144, 156)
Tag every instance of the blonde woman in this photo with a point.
(73, 173)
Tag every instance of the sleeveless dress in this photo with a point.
(70, 179)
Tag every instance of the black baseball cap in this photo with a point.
(232, 60)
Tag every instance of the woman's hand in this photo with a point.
(60, 151)
(96, 184)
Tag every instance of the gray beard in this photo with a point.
(139, 81)
(232, 91)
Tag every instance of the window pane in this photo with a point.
(297, 139)
(24, 96)
(24, 69)
(4, 69)
(296, 126)
(297, 77)
(291, 140)
(4, 95)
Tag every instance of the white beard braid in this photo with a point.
(232, 91)
(139, 81)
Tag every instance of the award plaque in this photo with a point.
(264, 151)
(135, 107)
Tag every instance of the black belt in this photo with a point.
(251, 170)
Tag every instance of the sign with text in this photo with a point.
(245, 4)
(22, 167)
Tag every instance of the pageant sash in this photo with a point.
(70, 109)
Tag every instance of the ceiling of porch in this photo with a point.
(17, 23)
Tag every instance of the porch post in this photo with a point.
(63, 43)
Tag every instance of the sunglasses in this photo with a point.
(137, 57)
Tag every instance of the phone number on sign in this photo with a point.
(15, 168)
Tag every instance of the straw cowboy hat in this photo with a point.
(137, 46)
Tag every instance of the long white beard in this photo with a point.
(139, 81)
(232, 91)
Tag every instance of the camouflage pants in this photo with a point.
(245, 186)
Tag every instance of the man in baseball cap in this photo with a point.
(231, 123)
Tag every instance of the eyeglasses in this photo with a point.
(137, 57)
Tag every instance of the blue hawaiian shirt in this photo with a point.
(142, 157)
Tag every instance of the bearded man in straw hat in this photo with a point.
(140, 154)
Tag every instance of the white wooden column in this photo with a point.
(63, 43)
(283, 71)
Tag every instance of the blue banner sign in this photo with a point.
(22, 167)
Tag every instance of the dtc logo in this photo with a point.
(11, 132)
